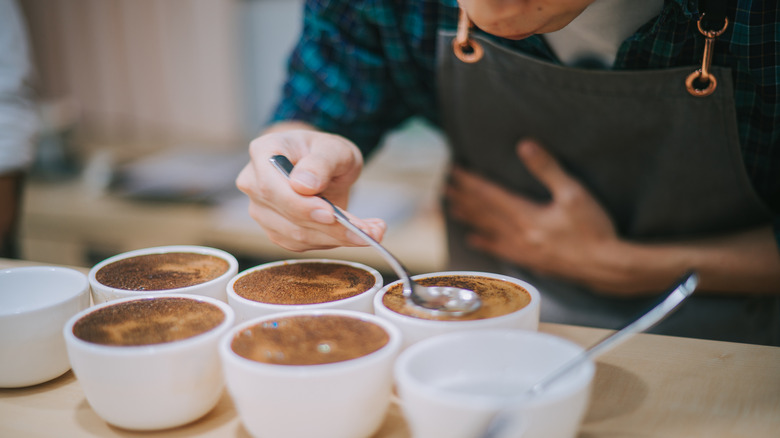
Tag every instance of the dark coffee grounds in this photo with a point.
(499, 297)
(304, 283)
(309, 340)
(162, 271)
(148, 321)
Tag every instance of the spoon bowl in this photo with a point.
(437, 300)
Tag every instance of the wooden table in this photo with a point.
(650, 386)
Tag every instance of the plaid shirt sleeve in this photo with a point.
(359, 68)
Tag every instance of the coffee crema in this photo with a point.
(148, 321)
(304, 283)
(164, 271)
(309, 340)
(499, 297)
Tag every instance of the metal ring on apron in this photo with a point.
(703, 74)
(466, 49)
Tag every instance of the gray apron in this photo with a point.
(663, 163)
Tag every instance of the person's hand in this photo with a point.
(570, 236)
(289, 212)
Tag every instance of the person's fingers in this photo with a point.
(481, 202)
(296, 237)
(331, 161)
(547, 170)
(374, 227)
(275, 193)
(288, 209)
(291, 236)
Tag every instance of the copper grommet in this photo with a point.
(468, 52)
(465, 48)
(712, 83)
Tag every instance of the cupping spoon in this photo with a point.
(435, 300)
(682, 290)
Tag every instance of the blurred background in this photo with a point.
(147, 108)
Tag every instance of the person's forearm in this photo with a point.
(745, 262)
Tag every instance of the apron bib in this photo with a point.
(680, 171)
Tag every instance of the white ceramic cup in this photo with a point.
(35, 303)
(247, 309)
(214, 288)
(346, 399)
(415, 329)
(154, 386)
(451, 385)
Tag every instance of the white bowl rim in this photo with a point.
(83, 288)
(401, 368)
(150, 349)
(390, 349)
(378, 284)
(408, 319)
(197, 249)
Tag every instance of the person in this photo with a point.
(18, 121)
(600, 148)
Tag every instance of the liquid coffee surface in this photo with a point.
(148, 321)
(162, 271)
(309, 340)
(499, 297)
(304, 283)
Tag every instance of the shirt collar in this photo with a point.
(690, 8)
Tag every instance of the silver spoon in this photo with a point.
(682, 290)
(435, 300)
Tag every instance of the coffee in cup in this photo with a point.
(324, 373)
(303, 284)
(149, 363)
(188, 269)
(309, 340)
(498, 296)
(164, 271)
(148, 321)
(507, 302)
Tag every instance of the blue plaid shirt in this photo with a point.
(362, 67)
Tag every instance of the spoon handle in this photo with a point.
(284, 165)
(681, 291)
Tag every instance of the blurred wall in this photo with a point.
(161, 71)
(270, 29)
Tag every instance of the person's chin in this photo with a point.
(521, 36)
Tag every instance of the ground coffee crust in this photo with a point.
(499, 297)
(304, 283)
(309, 340)
(162, 271)
(148, 321)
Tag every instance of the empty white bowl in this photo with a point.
(35, 304)
(452, 385)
